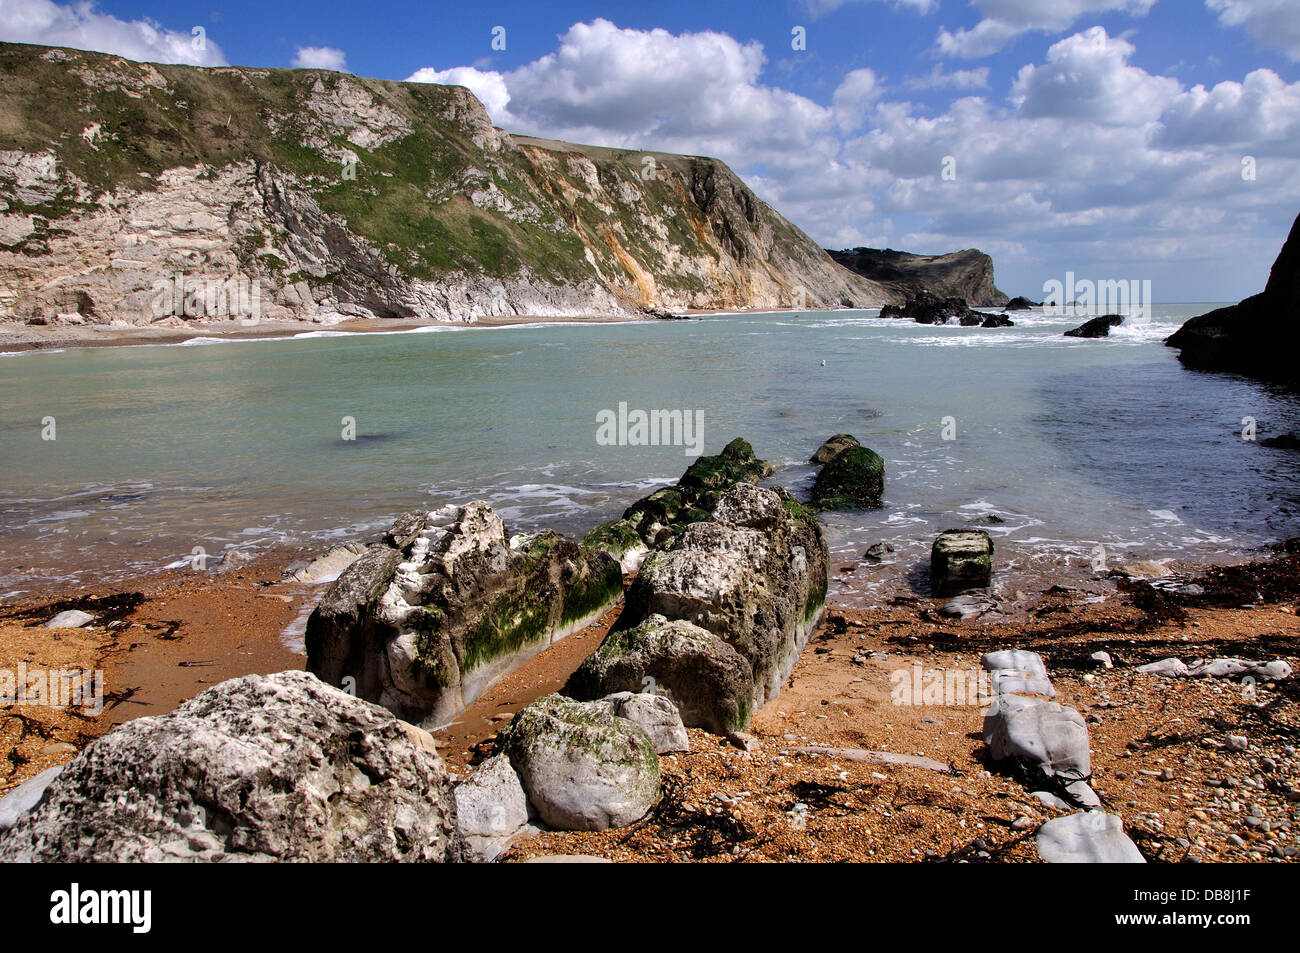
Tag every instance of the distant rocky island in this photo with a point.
(1256, 337)
(966, 274)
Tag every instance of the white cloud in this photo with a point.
(689, 92)
(320, 57)
(1089, 163)
(488, 85)
(82, 27)
(1004, 20)
(1262, 112)
(1271, 23)
(849, 104)
(1086, 76)
(957, 79)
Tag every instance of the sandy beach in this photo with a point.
(1158, 748)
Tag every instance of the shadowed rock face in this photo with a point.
(961, 559)
(966, 274)
(259, 768)
(854, 478)
(927, 308)
(710, 682)
(424, 622)
(1257, 337)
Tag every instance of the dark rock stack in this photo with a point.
(1257, 337)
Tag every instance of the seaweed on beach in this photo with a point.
(104, 608)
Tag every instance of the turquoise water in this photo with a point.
(1071, 443)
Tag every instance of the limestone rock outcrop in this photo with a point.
(426, 620)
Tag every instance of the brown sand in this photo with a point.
(721, 803)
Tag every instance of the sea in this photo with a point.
(1076, 455)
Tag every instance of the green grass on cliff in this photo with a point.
(409, 197)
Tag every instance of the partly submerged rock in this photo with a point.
(425, 628)
(1259, 335)
(1086, 837)
(491, 808)
(582, 767)
(878, 552)
(1021, 303)
(710, 683)
(755, 576)
(653, 520)
(1285, 441)
(997, 321)
(1097, 327)
(853, 479)
(275, 767)
(927, 308)
(961, 559)
(833, 447)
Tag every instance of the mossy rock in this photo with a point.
(654, 519)
(833, 447)
(583, 767)
(854, 479)
(708, 680)
(736, 463)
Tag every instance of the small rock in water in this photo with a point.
(879, 552)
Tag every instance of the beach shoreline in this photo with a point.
(17, 337)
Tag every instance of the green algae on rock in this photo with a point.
(854, 478)
(655, 519)
(425, 628)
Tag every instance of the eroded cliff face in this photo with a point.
(149, 194)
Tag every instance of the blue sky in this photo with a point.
(1118, 139)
